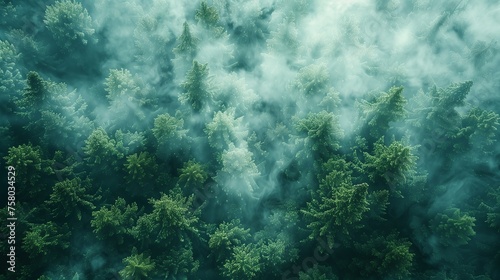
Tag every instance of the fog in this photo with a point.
(268, 65)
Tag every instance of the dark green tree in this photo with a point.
(337, 207)
(34, 94)
(386, 256)
(42, 240)
(115, 222)
(197, 90)
(137, 267)
(69, 199)
(453, 228)
(178, 262)
(318, 272)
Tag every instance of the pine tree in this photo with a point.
(197, 91)
(378, 114)
(115, 222)
(70, 23)
(137, 267)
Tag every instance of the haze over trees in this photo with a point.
(270, 139)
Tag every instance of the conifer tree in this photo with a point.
(115, 222)
(70, 23)
(197, 92)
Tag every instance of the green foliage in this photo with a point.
(114, 222)
(313, 80)
(385, 256)
(192, 175)
(197, 92)
(69, 22)
(478, 130)
(169, 133)
(34, 94)
(186, 43)
(171, 220)
(69, 198)
(137, 267)
(493, 211)
(453, 228)
(141, 167)
(30, 167)
(318, 272)
(386, 108)
(101, 150)
(10, 76)
(120, 84)
(337, 207)
(224, 130)
(178, 262)
(245, 263)
(207, 15)
(392, 163)
(238, 172)
(435, 114)
(42, 239)
(321, 132)
(226, 237)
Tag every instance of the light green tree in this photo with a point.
(392, 163)
(101, 150)
(172, 220)
(141, 167)
(10, 76)
(238, 173)
(69, 22)
(245, 263)
(192, 175)
(137, 267)
(225, 129)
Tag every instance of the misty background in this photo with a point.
(234, 92)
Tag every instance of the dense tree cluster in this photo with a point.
(232, 139)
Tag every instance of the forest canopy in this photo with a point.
(266, 139)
